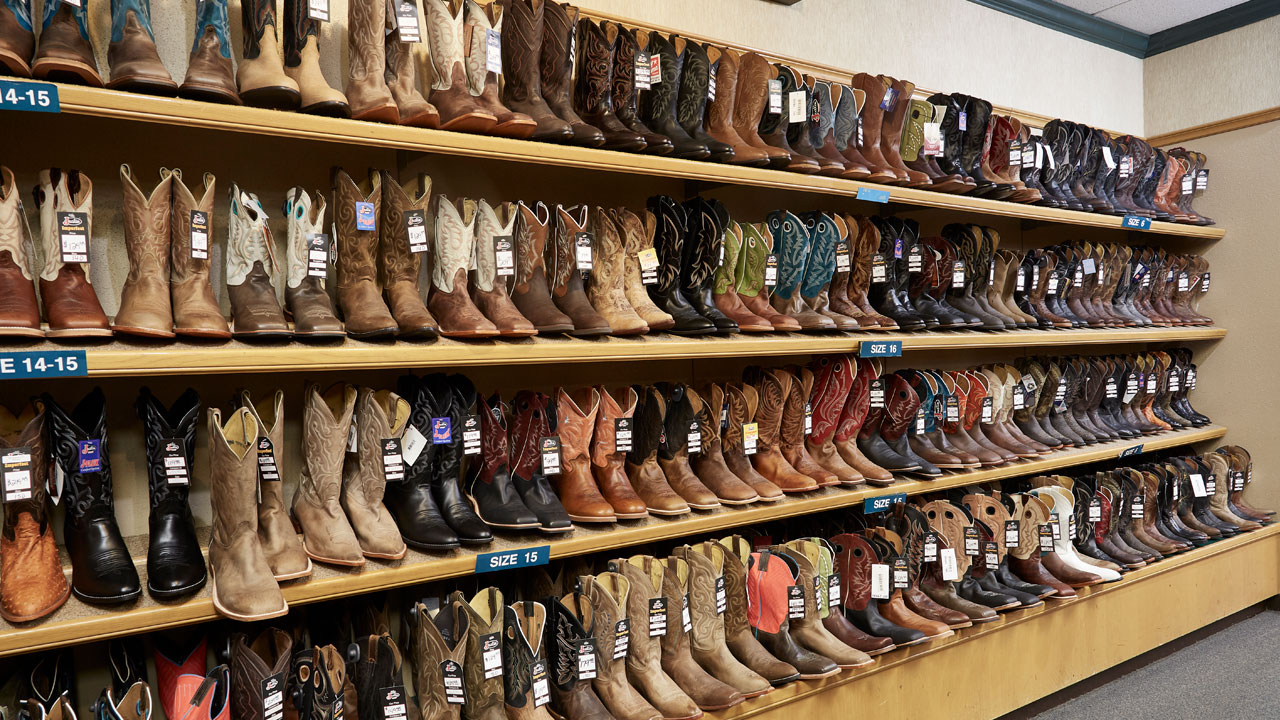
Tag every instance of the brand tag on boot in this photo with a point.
(842, 256)
(73, 234)
(1237, 481)
(504, 259)
(393, 702)
(901, 577)
(90, 456)
(1060, 395)
(1095, 510)
(833, 590)
(797, 106)
(988, 411)
(775, 97)
(915, 259)
(199, 239)
(795, 602)
(957, 274)
(990, 554)
(1019, 398)
(694, 437)
(268, 471)
(648, 266)
(1113, 391)
(317, 255)
(929, 553)
(1184, 282)
(173, 458)
(582, 252)
(586, 658)
(1046, 538)
(541, 685)
(493, 51)
(622, 434)
(750, 437)
(1138, 507)
(1071, 526)
(1175, 383)
(642, 71)
(1020, 280)
(808, 418)
(415, 223)
(877, 393)
(879, 581)
(1055, 526)
(770, 270)
(1204, 283)
(820, 592)
(686, 619)
(318, 10)
(16, 467)
(392, 459)
(655, 69)
(454, 686)
(953, 410)
(1015, 154)
(1198, 487)
(621, 638)
(657, 617)
(471, 435)
(272, 695)
(366, 218)
(441, 430)
(879, 269)
(1011, 537)
(491, 654)
(920, 420)
(1202, 180)
(711, 84)
(407, 22)
(722, 598)
(962, 123)
(550, 447)
(950, 571)
(971, 541)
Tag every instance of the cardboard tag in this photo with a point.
(1055, 524)
(90, 456)
(808, 419)
(622, 434)
(1095, 510)
(407, 24)
(541, 684)
(15, 464)
(694, 438)
(971, 541)
(586, 659)
(934, 144)
(271, 692)
(901, 577)
(879, 581)
(412, 443)
(441, 430)
(392, 459)
(990, 554)
(797, 106)
(582, 242)
(73, 235)
(318, 10)
(415, 223)
(842, 256)
(833, 590)
(1137, 508)
(1046, 539)
(394, 703)
(491, 654)
(621, 638)
(1202, 180)
(957, 274)
(657, 617)
(915, 259)
(962, 123)
(318, 255)
(795, 602)
(775, 97)
(722, 599)
(711, 85)
(504, 258)
(366, 218)
(988, 411)
(930, 550)
(550, 455)
(686, 620)
(199, 242)
(750, 436)
(642, 71)
(173, 457)
(493, 51)
(950, 571)
(877, 393)
(471, 435)
(454, 683)
(655, 69)
(879, 269)
(353, 443)
(1011, 535)
(1198, 488)
(268, 470)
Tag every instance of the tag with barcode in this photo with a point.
(491, 654)
(1198, 488)
(504, 258)
(879, 581)
(1011, 533)
(842, 256)
(454, 683)
(317, 255)
(750, 436)
(621, 638)
(622, 434)
(1095, 510)
(833, 590)
(930, 551)
(550, 448)
(471, 435)
(272, 696)
(957, 274)
(771, 270)
(971, 541)
(950, 571)
(1046, 538)
(642, 71)
(990, 554)
(901, 578)
(174, 458)
(493, 51)
(586, 658)
(394, 703)
(877, 393)
(775, 97)
(657, 617)
(797, 106)
(392, 460)
(541, 685)
(199, 235)
(694, 437)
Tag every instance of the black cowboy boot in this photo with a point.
(703, 246)
(410, 499)
(175, 566)
(691, 101)
(446, 473)
(658, 104)
(669, 241)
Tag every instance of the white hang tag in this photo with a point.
(407, 22)
(775, 97)
(318, 10)
(587, 659)
(879, 581)
(949, 570)
(73, 235)
(493, 51)
(1197, 486)
(504, 257)
(412, 443)
(797, 106)
(642, 71)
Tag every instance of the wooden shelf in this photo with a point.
(97, 102)
(77, 622)
(123, 357)
(1055, 645)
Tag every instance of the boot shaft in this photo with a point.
(233, 473)
(454, 245)
(356, 209)
(62, 191)
(80, 450)
(403, 211)
(494, 225)
(147, 227)
(532, 228)
(184, 266)
(170, 441)
(596, 48)
(249, 240)
(257, 16)
(15, 233)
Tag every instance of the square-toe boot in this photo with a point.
(827, 585)
(531, 292)
(276, 533)
(411, 500)
(31, 581)
(555, 64)
(524, 661)
(402, 62)
(800, 133)
(624, 93)
(752, 267)
(832, 380)
(101, 570)
(646, 612)
(773, 128)
(307, 301)
(709, 465)
(436, 640)
(454, 398)
(482, 688)
(210, 76)
(260, 74)
(847, 102)
(453, 253)
(565, 275)
(808, 629)
(70, 303)
(145, 305)
(739, 635)
(740, 401)
(254, 661)
(135, 64)
(896, 104)
(816, 288)
(791, 245)
(380, 418)
(677, 658)
(533, 419)
(636, 240)
(613, 436)
(522, 77)
(592, 93)
(19, 310)
(608, 592)
(658, 104)
(849, 436)
(568, 636)
(794, 414)
(302, 64)
(865, 240)
(691, 101)
(495, 227)
(195, 309)
(674, 450)
(326, 421)
(458, 103)
(367, 92)
(356, 211)
(773, 386)
(244, 588)
(575, 421)
(880, 98)
(608, 275)
(708, 602)
(753, 74)
(175, 566)
(479, 19)
(251, 270)
(702, 251)
(488, 482)
(66, 53)
(724, 291)
(839, 302)
(646, 474)
(374, 667)
(722, 105)
(769, 577)
(404, 207)
(17, 39)
(668, 219)
(854, 557)
(822, 131)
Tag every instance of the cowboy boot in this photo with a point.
(839, 301)
(524, 663)
(411, 499)
(774, 388)
(174, 565)
(565, 276)
(792, 246)
(709, 465)
(768, 611)
(276, 534)
(452, 401)
(750, 276)
(307, 301)
(531, 293)
(251, 268)
(680, 433)
(822, 131)
(70, 303)
(482, 80)
(483, 690)
(17, 40)
(893, 118)
(379, 418)
(831, 380)
(570, 621)
(753, 76)
(560, 21)
(847, 102)
(404, 209)
(402, 63)
(495, 229)
(327, 536)
(647, 605)
(708, 601)
(65, 52)
(857, 436)
(881, 96)
(302, 64)
(704, 689)
(195, 309)
(356, 214)
(738, 631)
(535, 419)
(575, 485)
(367, 92)
(643, 468)
(19, 311)
(458, 103)
(608, 592)
(659, 103)
(724, 292)
(488, 481)
(135, 64)
(638, 240)
(613, 437)
(703, 249)
(824, 234)
(808, 630)
(521, 53)
(722, 107)
(775, 128)
(670, 234)
(623, 90)
(210, 76)
(145, 306)
(606, 289)
(691, 102)
(740, 405)
(592, 92)
(260, 75)
(794, 415)
(864, 250)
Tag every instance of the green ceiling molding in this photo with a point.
(1140, 45)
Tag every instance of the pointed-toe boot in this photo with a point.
(613, 437)
(480, 20)
(488, 483)
(532, 420)
(555, 63)
(565, 273)
(682, 440)
(522, 77)
(402, 61)
(367, 92)
(659, 104)
(669, 223)
(592, 93)
(709, 464)
(608, 274)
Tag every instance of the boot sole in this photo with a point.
(169, 594)
(108, 599)
(198, 333)
(209, 93)
(505, 526)
(143, 332)
(388, 556)
(281, 97)
(331, 561)
(79, 333)
(300, 574)
(469, 334)
(725, 501)
(21, 332)
(55, 69)
(236, 616)
(148, 86)
(669, 513)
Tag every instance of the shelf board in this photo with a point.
(77, 622)
(99, 102)
(126, 357)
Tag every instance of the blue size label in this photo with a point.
(880, 348)
(873, 195)
(29, 96)
(42, 364)
(1131, 451)
(882, 503)
(509, 559)
(1136, 222)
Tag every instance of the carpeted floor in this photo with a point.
(1229, 674)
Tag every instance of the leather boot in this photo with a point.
(17, 40)
(243, 586)
(894, 117)
(145, 307)
(307, 300)
(19, 310)
(402, 63)
(411, 499)
(70, 303)
(623, 91)
(822, 131)
(800, 135)
(774, 388)
(659, 105)
(373, 665)
(753, 76)
(702, 251)
(768, 610)
(253, 663)
(302, 64)
(646, 474)
(880, 97)
(738, 632)
(322, 691)
(592, 91)
(841, 306)
(911, 150)
(709, 465)
(523, 659)
(832, 380)
(607, 275)
(824, 234)
(613, 436)
(485, 619)
(260, 74)
(488, 483)
(740, 403)
(496, 226)
(691, 102)
(608, 592)
(175, 566)
(101, 569)
(757, 244)
(793, 249)
(66, 53)
(31, 581)
(774, 127)
(484, 82)
(210, 76)
(669, 220)
(854, 557)
(724, 291)
(356, 214)
(808, 630)
(852, 416)
(195, 309)
(457, 101)
(565, 276)
(722, 107)
(522, 77)
(531, 293)
(570, 620)
(794, 415)
(379, 418)
(535, 419)
(847, 102)
(367, 92)
(135, 64)
(1025, 560)
(677, 659)
(251, 269)
(574, 483)
(674, 451)
(398, 263)
(708, 601)
(276, 533)
(327, 536)
(453, 397)
(637, 237)
(560, 26)
(647, 605)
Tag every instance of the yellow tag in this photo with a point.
(648, 259)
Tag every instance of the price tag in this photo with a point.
(1053, 285)
(1029, 156)
(1204, 283)
(504, 258)
(957, 274)
(621, 638)
(722, 598)
(1112, 389)
(1137, 508)
(471, 435)
(879, 581)
(1130, 389)
(199, 237)
(1198, 488)
(1188, 184)
(392, 460)
(394, 703)
(173, 457)
(775, 97)
(808, 419)
(582, 251)
(795, 602)
(541, 685)
(971, 541)
(649, 266)
(879, 271)
(622, 434)
(950, 571)
(901, 578)
(1011, 536)
(73, 234)
(657, 617)
(491, 654)
(89, 456)
(412, 444)
(642, 71)
(694, 438)
(877, 393)
(1211, 484)
(317, 255)
(685, 619)
(750, 436)
(454, 684)
(1095, 510)
(415, 223)
(493, 51)
(15, 464)
(1175, 382)
(587, 659)
(1056, 526)
(1202, 177)
(1237, 481)
(915, 259)
(655, 70)
(988, 411)
(318, 10)
(833, 590)
(920, 420)
(990, 554)
(271, 691)
(550, 455)
(797, 104)
(711, 85)
(1015, 155)
(407, 24)
(930, 552)
(30, 96)
(1151, 382)
(1019, 398)
(842, 256)
(1071, 525)
(1046, 539)
(771, 270)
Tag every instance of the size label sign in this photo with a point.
(875, 195)
(1135, 222)
(880, 348)
(43, 364)
(29, 96)
(509, 559)
(882, 503)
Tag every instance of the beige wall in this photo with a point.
(1231, 74)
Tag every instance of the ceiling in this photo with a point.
(1149, 16)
